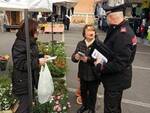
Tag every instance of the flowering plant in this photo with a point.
(57, 104)
(60, 103)
(6, 97)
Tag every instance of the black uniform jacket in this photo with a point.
(86, 71)
(117, 73)
(19, 56)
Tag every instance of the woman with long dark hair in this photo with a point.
(19, 56)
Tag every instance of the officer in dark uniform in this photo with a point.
(117, 72)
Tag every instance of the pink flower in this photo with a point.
(58, 97)
(59, 109)
(57, 102)
(55, 107)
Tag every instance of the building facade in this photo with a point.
(84, 12)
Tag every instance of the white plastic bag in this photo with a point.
(45, 85)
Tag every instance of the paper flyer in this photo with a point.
(97, 55)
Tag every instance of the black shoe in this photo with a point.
(82, 109)
(91, 111)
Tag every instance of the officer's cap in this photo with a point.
(114, 6)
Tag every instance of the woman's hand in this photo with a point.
(84, 58)
(98, 61)
(77, 56)
(42, 61)
(46, 56)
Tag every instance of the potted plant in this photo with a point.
(3, 62)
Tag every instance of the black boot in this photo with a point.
(91, 111)
(82, 109)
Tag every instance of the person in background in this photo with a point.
(19, 56)
(66, 21)
(3, 21)
(116, 74)
(88, 81)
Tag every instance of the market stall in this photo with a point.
(25, 5)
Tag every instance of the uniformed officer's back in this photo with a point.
(117, 72)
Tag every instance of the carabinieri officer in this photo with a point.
(117, 72)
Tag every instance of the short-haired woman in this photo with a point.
(88, 81)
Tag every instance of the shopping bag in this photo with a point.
(45, 85)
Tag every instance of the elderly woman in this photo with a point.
(88, 80)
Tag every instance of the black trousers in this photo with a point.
(66, 26)
(89, 93)
(23, 104)
(112, 101)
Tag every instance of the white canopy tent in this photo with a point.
(34, 5)
(25, 5)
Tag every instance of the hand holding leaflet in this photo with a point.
(97, 55)
(50, 58)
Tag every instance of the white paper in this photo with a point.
(97, 55)
(50, 58)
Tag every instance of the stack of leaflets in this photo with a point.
(97, 55)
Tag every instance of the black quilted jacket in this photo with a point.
(19, 56)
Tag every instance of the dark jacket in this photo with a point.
(117, 73)
(86, 71)
(66, 20)
(19, 56)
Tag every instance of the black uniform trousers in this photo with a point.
(23, 104)
(89, 93)
(112, 101)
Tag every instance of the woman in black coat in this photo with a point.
(19, 56)
(88, 79)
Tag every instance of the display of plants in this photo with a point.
(58, 67)
(6, 97)
(58, 102)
